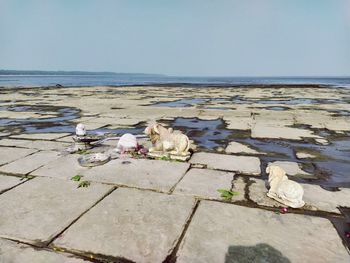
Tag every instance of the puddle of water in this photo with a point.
(188, 102)
(289, 101)
(136, 130)
(57, 124)
(332, 165)
(277, 108)
(207, 134)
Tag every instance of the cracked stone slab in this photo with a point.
(257, 193)
(64, 167)
(13, 142)
(228, 233)
(9, 154)
(44, 208)
(236, 147)
(40, 136)
(141, 226)
(67, 139)
(324, 200)
(315, 197)
(305, 155)
(239, 164)
(29, 163)
(205, 183)
(148, 174)
(14, 252)
(7, 182)
(47, 145)
(37, 144)
(292, 168)
(276, 132)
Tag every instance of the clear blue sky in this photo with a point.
(182, 37)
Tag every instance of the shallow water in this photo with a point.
(188, 102)
(207, 134)
(331, 167)
(141, 79)
(54, 124)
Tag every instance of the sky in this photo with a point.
(182, 37)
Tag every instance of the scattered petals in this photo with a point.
(283, 210)
(347, 234)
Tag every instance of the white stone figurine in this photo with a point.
(80, 130)
(284, 190)
(168, 141)
(127, 142)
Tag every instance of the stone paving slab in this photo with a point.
(293, 169)
(7, 182)
(64, 168)
(47, 145)
(324, 200)
(204, 183)
(315, 197)
(148, 174)
(222, 232)
(236, 147)
(275, 132)
(13, 142)
(258, 191)
(68, 139)
(40, 136)
(239, 164)
(37, 144)
(13, 252)
(141, 226)
(44, 207)
(30, 163)
(9, 154)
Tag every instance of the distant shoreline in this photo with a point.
(117, 80)
(5, 72)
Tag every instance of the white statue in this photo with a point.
(168, 141)
(284, 190)
(80, 130)
(127, 142)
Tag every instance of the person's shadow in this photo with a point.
(260, 253)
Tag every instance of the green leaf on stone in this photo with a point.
(76, 178)
(84, 184)
(227, 194)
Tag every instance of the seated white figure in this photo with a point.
(284, 190)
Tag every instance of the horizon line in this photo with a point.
(86, 72)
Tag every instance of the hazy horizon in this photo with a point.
(166, 75)
(237, 38)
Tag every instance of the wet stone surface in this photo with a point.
(316, 198)
(239, 164)
(207, 134)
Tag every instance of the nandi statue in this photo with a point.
(284, 190)
(167, 142)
